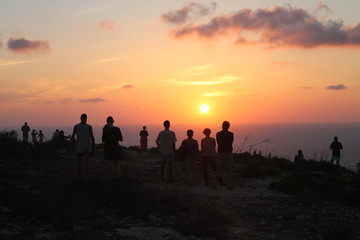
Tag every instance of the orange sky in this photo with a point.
(249, 62)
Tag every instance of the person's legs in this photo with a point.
(162, 170)
(79, 163)
(229, 160)
(116, 168)
(86, 162)
(170, 172)
(218, 169)
(204, 161)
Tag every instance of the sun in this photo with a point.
(204, 108)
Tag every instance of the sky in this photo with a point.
(143, 62)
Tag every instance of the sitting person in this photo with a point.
(299, 157)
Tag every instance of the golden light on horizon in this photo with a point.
(204, 108)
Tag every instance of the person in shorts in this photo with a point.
(84, 141)
(111, 136)
(25, 132)
(225, 139)
(166, 143)
(336, 146)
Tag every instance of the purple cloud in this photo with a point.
(92, 100)
(277, 27)
(107, 25)
(22, 45)
(190, 11)
(128, 86)
(336, 87)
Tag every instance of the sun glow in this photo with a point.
(204, 108)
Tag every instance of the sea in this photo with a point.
(275, 139)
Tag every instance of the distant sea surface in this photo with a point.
(282, 140)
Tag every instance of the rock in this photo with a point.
(154, 219)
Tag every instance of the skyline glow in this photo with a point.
(145, 62)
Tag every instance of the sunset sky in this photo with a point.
(146, 61)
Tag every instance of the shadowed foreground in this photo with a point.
(41, 198)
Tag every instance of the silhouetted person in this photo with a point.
(62, 140)
(55, 135)
(299, 157)
(336, 146)
(190, 149)
(166, 144)
(41, 136)
(225, 139)
(25, 132)
(143, 138)
(208, 154)
(111, 136)
(84, 140)
(34, 135)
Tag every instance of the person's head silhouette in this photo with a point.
(190, 133)
(167, 124)
(207, 132)
(225, 125)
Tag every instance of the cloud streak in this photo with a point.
(23, 45)
(107, 25)
(191, 11)
(7, 63)
(277, 27)
(129, 86)
(336, 87)
(92, 100)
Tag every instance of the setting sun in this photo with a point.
(204, 108)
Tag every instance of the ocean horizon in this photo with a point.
(277, 139)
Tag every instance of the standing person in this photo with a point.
(190, 149)
(336, 146)
(84, 140)
(34, 134)
(208, 154)
(55, 135)
(41, 136)
(111, 136)
(143, 138)
(166, 143)
(225, 139)
(25, 129)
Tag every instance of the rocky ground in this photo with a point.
(43, 199)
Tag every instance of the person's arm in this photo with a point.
(73, 134)
(120, 136)
(92, 138)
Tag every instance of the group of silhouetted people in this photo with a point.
(36, 137)
(220, 161)
(189, 151)
(335, 148)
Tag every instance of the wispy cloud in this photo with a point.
(281, 63)
(107, 25)
(103, 60)
(7, 63)
(92, 100)
(218, 93)
(336, 87)
(23, 45)
(277, 27)
(195, 71)
(128, 86)
(215, 82)
(191, 11)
